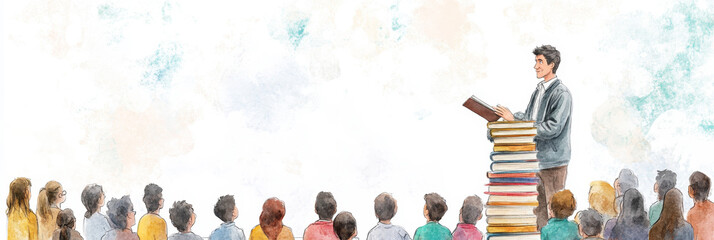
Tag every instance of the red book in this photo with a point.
(508, 184)
(511, 175)
(481, 108)
(518, 194)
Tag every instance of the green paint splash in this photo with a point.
(161, 65)
(296, 31)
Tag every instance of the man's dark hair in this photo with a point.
(152, 197)
(551, 55)
(666, 180)
(471, 209)
(224, 208)
(344, 225)
(118, 211)
(590, 222)
(700, 184)
(436, 205)
(325, 205)
(384, 206)
(180, 214)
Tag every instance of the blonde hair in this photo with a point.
(17, 199)
(47, 196)
(602, 198)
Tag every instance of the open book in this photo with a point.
(481, 108)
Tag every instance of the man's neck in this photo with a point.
(548, 77)
(386, 221)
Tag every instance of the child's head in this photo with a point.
(325, 205)
(590, 223)
(665, 181)
(65, 221)
(699, 185)
(225, 209)
(345, 226)
(182, 216)
(153, 197)
(385, 207)
(435, 206)
(562, 204)
(471, 210)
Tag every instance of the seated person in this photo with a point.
(123, 217)
(345, 226)
(151, 225)
(385, 207)
(665, 181)
(271, 222)
(325, 207)
(183, 218)
(701, 215)
(226, 210)
(561, 207)
(671, 224)
(590, 224)
(95, 223)
(434, 208)
(65, 223)
(468, 216)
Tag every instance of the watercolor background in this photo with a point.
(288, 98)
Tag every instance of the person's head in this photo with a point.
(92, 199)
(471, 210)
(50, 195)
(665, 181)
(590, 223)
(435, 207)
(325, 205)
(671, 216)
(562, 204)
(182, 216)
(633, 206)
(385, 206)
(121, 213)
(226, 209)
(602, 198)
(19, 197)
(345, 226)
(547, 60)
(153, 197)
(271, 218)
(65, 222)
(624, 181)
(699, 184)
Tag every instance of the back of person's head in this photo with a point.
(551, 55)
(590, 222)
(671, 217)
(602, 198)
(626, 180)
(385, 206)
(633, 217)
(180, 214)
(118, 211)
(666, 180)
(325, 205)
(271, 218)
(91, 195)
(699, 183)
(224, 208)
(345, 225)
(48, 195)
(153, 194)
(436, 205)
(562, 204)
(17, 199)
(65, 222)
(471, 209)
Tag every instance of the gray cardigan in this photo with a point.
(553, 125)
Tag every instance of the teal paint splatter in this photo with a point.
(296, 31)
(161, 66)
(707, 126)
(165, 12)
(396, 24)
(109, 12)
(674, 84)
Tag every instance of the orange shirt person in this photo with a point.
(21, 221)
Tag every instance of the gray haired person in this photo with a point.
(183, 218)
(122, 217)
(385, 207)
(590, 224)
(95, 223)
(626, 180)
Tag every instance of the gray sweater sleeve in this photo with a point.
(555, 121)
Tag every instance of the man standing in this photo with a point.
(550, 107)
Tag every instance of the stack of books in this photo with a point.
(512, 181)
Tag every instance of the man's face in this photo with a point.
(541, 67)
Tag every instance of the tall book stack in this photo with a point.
(512, 182)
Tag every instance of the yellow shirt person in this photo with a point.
(258, 234)
(152, 227)
(21, 227)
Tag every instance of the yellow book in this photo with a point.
(514, 148)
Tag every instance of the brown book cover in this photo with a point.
(513, 132)
(514, 148)
(511, 229)
(481, 108)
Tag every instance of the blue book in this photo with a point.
(513, 236)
